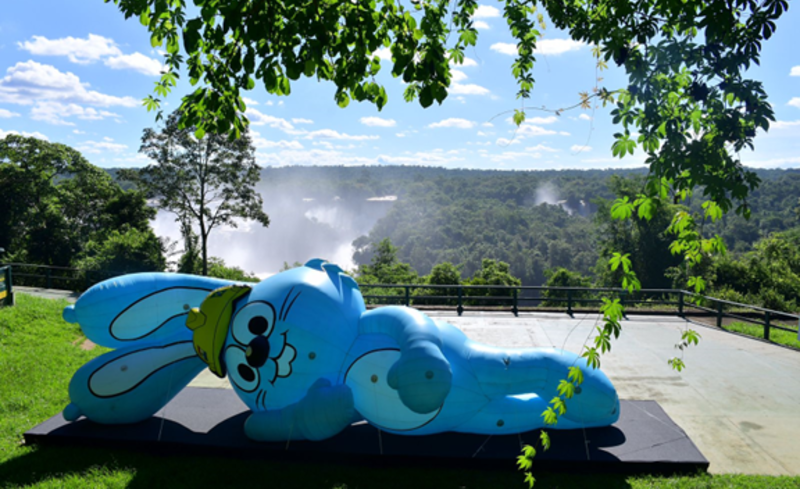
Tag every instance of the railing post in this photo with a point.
(408, 301)
(460, 307)
(49, 282)
(514, 308)
(766, 325)
(680, 303)
(569, 302)
(719, 315)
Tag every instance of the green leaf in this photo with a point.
(524, 462)
(575, 375)
(676, 364)
(691, 337)
(592, 357)
(545, 439)
(550, 416)
(528, 451)
(566, 389)
(529, 479)
(621, 209)
(519, 117)
(559, 405)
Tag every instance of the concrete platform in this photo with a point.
(738, 398)
(211, 421)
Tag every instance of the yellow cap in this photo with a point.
(210, 324)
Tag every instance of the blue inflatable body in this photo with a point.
(308, 359)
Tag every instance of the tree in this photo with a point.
(55, 204)
(385, 267)
(646, 241)
(492, 272)
(443, 274)
(561, 277)
(129, 251)
(207, 181)
(687, 98)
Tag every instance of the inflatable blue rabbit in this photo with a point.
(308, 359)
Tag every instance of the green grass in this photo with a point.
(39, 352)
(779, 336)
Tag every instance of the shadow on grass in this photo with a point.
(74, 466)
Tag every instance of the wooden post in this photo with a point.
(766, 325)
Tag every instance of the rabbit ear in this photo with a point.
(137, 308)
(131, 384)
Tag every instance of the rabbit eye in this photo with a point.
(241, 374)
(254, 319)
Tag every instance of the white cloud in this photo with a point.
(774, 162)
(283, 144)
(536, 120)
(29, 81)
(557, 46)
(97, 147)
(378, 122)
(514, 155)
(526, 130)
(383, 53)
(81, 51)
(479, 24)
(504, 48)
(577, 148)
(486, 12)
(400, 134)
(453, 122)
(506, 142)
(92, 49)
(56, 112)
(298, 120)
(467, 63)
(249, 102)
(312, 157)
(584, 117)
(332, 134)
(257, 118)
(795, 102)
(36, 135)
(76, 131)
(784, 124)
(541, 147)
(487, 124)
(7, 114)
(429, 158)
(457, 76)
(795, 71)
(468, 89)
(136, 62)
(545, 46)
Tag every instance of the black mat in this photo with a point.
(210, 421)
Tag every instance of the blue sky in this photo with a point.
(75, 72)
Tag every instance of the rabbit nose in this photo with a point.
(257, 352)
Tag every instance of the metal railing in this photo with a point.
(54, 277)
(542, 298)
(484, 297)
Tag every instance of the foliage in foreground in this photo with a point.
(39, 352)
